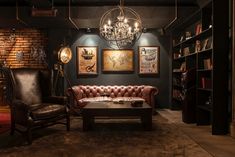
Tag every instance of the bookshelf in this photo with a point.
(200, 51)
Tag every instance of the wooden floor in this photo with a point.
(216, 145)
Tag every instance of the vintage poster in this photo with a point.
(87, 60)
(149, 59)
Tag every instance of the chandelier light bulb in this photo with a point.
(125, 20)
(109, 22)
(129, 29)
(105, 28)
(136, 25)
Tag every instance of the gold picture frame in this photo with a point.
(149, 60)
(118, 60)
(87, 60)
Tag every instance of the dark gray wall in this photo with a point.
(82, 38)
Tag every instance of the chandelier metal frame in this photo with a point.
(120, 26)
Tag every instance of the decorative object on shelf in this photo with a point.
(198, 46)
(183, 67)
(87, 61)
(188, 35)
(120, 26)
(118, 60)
(181, 38)
(186, 51)
(149, 59)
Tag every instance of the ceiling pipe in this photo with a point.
(70, 19)
(176, 17)
(17, 15)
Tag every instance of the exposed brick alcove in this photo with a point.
(28, 43)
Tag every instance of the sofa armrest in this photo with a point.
(149, 93)
(74, 94)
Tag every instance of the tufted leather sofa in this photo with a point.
(88, 93)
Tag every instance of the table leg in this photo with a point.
(88, 122)
(146, 120)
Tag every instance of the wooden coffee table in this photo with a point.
(110, 109)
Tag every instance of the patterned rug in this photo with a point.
(110, 138)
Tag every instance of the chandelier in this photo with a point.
(120, 26)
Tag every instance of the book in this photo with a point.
(207, 63)
(198, 29)
(206, 83)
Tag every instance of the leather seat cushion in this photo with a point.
(47, 110)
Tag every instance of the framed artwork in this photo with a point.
(87, 60)
(118, 60)
(149, 59)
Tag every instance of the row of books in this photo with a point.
(199, 46)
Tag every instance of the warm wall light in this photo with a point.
(64, 55)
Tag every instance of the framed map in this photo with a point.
(87, 60)
(149, 59)
(118, 60)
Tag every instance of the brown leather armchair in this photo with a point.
(31, 103)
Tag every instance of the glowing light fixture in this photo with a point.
(65, 55)
(120, 26)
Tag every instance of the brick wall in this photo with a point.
(26, 44)
(21, 48)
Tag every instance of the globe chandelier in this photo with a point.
(120, 26)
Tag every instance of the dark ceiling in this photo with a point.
(45, 3)
(87, 13)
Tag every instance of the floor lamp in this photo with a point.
(64, 56)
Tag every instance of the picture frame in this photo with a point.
(87, 60)
(121, 60)
(149, 60)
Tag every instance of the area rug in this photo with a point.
(110, 138)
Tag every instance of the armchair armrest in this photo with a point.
(20, 112)
(18, 104)
(56, 99)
